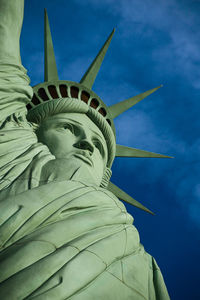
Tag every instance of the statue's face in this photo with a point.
(74, 137)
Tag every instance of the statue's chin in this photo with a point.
(73, 168)
(86, 175)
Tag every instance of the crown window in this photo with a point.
(63, 90)
(74, 92)
(94, 103)
(42, 94)
(109, 122)
(53, 91)
(102, 111)
(85, 96)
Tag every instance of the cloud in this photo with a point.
(173, 22)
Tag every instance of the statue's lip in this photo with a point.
(84, 156)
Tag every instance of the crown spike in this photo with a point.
(125, 197)
(89, 77)
(120, 107)
(123, 151)
(50, 69)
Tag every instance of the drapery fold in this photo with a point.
(62, 242)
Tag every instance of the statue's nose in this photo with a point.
(85, 145)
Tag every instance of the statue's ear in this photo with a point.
(106, 178)
(35, 127)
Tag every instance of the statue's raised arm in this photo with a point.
(16, 134)
(14, 89)
(11, 18)
(15, 92)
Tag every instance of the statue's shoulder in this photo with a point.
(112, 197)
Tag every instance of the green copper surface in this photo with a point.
(123, 151)
(90, 75)
(125, 197)
(50, 71)
(120, 107)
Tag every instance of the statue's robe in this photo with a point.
(61, 238)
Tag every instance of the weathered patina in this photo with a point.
(63, 234)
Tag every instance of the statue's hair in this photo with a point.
(35, 127)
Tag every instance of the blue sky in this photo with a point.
(156, 42)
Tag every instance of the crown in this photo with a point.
(53, 89)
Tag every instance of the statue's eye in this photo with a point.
(98, 145)
(69, 127)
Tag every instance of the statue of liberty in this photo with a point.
(64, 233)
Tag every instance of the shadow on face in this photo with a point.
(73, 136)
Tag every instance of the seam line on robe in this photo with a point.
(127, 285)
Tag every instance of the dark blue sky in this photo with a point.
(156, 42)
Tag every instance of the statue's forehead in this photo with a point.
(78, 117)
